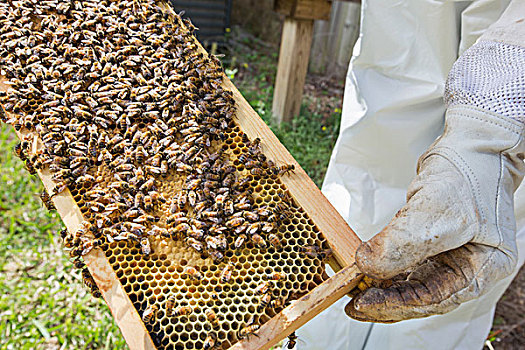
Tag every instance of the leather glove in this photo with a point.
(455, 237)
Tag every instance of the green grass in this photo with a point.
(43, 304)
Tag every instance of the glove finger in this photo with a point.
(440, 215)
(436, 287)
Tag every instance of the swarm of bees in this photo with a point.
(115, 99)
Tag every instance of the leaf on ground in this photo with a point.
(42, 329)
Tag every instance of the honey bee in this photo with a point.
(105, 157)
(139, 154)
(217, 229)
(20, 152)
(263, 287)
(79, 264)
(212, 242)
(226, 273)
(150, 314)
(40, 160)
(239, 241)
(222, 242)
(242, 185)
(275, 241)
(253, 227)
(102, 221)
(182, 311)
(148, 185)
(192, 198)
(46, 199)
(181, 199)
(148, 203)
(177, 219)
(313, 251)
(269, 226)
(259, 241)
(164, 168)
(212, 318)
(220, 200)
(81, 232)
(250, 215)
(192, 273)
(132, 213)
(243, 158)
(183, 228)
(216, 256)
(276, 276)
(264, 301)
(198, 224)
(229, 180)
(88, 279)
(258, 172)
(157, 197)
(234, 222)
(96, 293)
(292, 341)
(277, 303)
(195, 244)
(30, 168)
(3, 115)
(247, 331)
(138, 200)
(285, 196)
(210, 342)
(252, 164)
(145, 246)
(196, 233)
(89, 245)
(193, 184)
(283, 169)
(209, 215)
(183, 167)
(255, 146)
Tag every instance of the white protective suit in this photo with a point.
(393, 110)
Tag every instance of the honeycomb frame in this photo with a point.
(313, 207)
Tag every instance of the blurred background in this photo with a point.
(43, 304)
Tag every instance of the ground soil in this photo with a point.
(508, 330)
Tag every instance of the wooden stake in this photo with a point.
(291, 70)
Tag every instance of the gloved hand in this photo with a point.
(455, 237)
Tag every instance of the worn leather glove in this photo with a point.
(455, 237)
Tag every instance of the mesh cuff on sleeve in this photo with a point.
(491, 76)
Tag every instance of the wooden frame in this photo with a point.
(339, 235)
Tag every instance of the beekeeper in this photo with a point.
(444, 208)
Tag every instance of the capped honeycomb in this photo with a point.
(117, 100)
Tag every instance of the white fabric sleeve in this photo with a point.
(489, 75)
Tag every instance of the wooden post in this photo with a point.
(293, 65)
(294, 54)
